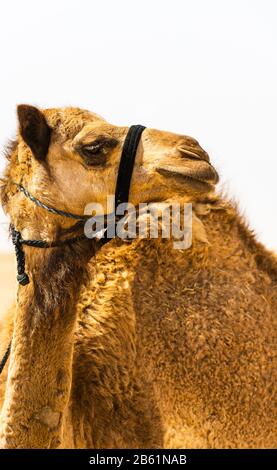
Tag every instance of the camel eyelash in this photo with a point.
(95, 154)
(97, 148)
(92, 149)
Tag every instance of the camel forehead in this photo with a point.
(70, 121)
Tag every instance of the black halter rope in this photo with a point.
(123, 183)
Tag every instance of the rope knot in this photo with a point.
(22, 277)
(16, 236)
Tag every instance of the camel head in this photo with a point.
(69, 158)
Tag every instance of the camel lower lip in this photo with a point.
(196, 182)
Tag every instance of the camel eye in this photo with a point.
(95, 153)
(92, 149)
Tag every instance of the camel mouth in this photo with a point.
(202, 179)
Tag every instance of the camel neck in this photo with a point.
(40, 370)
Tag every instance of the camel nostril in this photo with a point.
(189, 154)
(194, 154)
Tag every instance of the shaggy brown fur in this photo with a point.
(137, 344)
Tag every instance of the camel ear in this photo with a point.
(34, 130)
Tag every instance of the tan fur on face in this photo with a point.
(64, 181)
(136, 344)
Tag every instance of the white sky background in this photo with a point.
(205, 68)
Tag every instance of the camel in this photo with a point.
(133, 344)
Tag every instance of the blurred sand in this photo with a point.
(7, 281)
